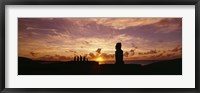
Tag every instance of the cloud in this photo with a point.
(149, 52)
(86, 42)
(46, 57)
(57, 36)
(159, 55)
(132, 51)
(169, 25)
(169, 22)
(33, 54)
(152, 52)
(85, 35)
(71, 51)
(126, 54)
(122, 23)
(98, 50)
(55, 58)
(176, 49)
(133, 45)
(107, 56)
(169, 55)
(92, 55)
(140, 53)
(122, 37)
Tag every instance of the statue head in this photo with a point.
(118, 46)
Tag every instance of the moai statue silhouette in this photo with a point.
(81, 58)
(74, 58)
(119, 54)
(84, 59)
(77, 58)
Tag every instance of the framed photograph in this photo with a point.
(99, 46)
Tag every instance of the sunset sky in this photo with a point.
(59, 39)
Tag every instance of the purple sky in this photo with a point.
(62, 38)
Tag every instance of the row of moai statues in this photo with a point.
(80, 58)
(118, 55)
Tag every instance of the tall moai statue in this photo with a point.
(77, 58)
(119, 54)
(84, 59)
(81, 58)
(74, 58)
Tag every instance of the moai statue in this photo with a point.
(81, 58)
(77, 58)
(119, 54)
(74, 58)
(84, 59)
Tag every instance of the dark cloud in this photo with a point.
(140, 53)
(132, 51)
(33, 54)
(107, 56)
(103, 55)
(133, 45)
(159, 55)
(149, 52)
(176, 49)
(152, 52)
(98, 50)
(126, 54)
(164, 51)
(92, 55)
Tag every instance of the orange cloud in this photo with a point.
(33, 53)
(55, 58)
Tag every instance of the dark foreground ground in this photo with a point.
(30, 67)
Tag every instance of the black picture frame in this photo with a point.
(98, 2)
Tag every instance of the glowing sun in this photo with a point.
(99, 59)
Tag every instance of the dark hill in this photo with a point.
(165, 67)
(28, 66)
(24, 59)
